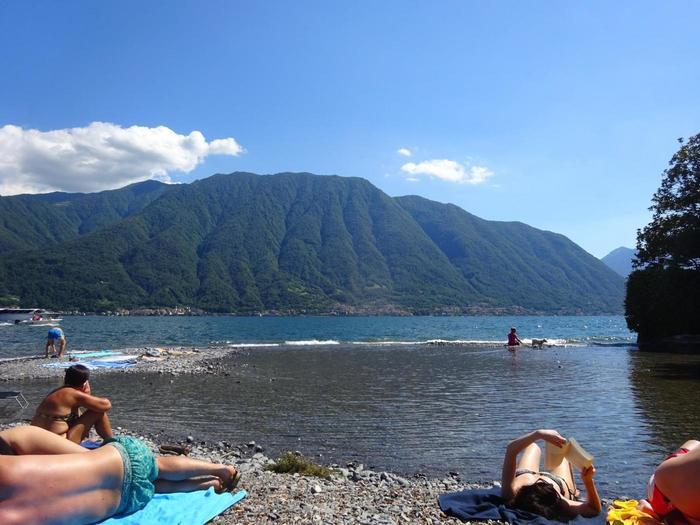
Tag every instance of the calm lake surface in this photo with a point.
(372, 389)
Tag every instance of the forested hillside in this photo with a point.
(288, 242)
(37, 221)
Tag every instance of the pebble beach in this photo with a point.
(352, 494)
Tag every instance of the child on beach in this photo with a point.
(59, 412)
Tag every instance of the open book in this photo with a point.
(572, 451)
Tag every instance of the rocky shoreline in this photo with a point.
(175, 360)
(352, 495)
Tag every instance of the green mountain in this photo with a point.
(620, 260)
(37, 221)
(290, 242)
(515, 264)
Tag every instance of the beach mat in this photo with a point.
(82, 354)
(487, 504)
(115, 361)
(180, 508)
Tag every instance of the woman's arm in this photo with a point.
(515, 447)
(591, 507)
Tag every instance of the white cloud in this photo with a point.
(100, 156)
(404, 152)
(449, 170)
(412, 179)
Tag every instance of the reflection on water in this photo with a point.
(666, 387)
(427, 408)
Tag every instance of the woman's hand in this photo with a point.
(587, 474)
(552, 436)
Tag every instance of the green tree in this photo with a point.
(672, 239)
(662, 298)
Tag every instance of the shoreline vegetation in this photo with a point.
(341, 311)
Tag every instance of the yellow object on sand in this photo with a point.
(627, 513)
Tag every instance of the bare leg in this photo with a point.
(178, 468)
(564, 470)
(61, 347)
(530, 458)
(34, 440)
(80, 428)
(103, 427)
(188, 485)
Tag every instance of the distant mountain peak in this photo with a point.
(620, 260)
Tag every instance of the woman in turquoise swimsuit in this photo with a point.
(47, 479)
(549, 494)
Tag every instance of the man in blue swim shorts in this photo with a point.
(55, 333)
(140, 473)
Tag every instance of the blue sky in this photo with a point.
(561, 115)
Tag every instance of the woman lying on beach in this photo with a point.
(549, 494)
(673, 492)
(46, 479)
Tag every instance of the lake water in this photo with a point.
(372, 390)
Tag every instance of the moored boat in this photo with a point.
(27, 316)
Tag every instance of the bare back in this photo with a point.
(57, 409)
(60, 489)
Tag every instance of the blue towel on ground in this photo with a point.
(180, 508)
(80, 354)
(487, 504)
(92, 364)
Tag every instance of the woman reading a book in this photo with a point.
(549, 494)
(673, 492)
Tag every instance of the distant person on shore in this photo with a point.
(513, 339)
(60, 411)
(46, 479)
(549, 494)
(673, 491)
(55, 334)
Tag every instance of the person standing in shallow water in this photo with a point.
(513, 339)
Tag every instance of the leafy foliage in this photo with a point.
(662, 298)
(672, 239)
(298, 243)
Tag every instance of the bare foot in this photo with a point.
(231, 478)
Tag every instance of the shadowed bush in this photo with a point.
(662, 302)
